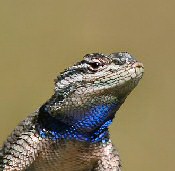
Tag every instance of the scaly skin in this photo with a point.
(70, 131)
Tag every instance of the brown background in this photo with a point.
(39, 38)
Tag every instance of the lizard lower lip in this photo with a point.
(138, 65)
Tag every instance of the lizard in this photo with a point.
(69, 132)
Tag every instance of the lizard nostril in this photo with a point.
(138, 65)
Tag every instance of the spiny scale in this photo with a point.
(69, 132)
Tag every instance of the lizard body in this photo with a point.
(69, 132)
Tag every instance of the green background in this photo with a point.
(39, 38)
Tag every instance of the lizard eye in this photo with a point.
(94, 66)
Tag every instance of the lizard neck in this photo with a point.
(55, 129)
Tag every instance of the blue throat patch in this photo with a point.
(97, 120)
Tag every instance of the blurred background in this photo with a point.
(38, 39)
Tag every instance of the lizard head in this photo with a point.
(88, 94)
